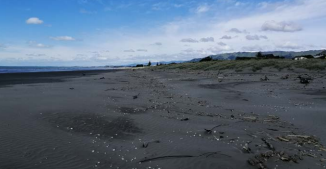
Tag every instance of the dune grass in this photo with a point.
(254, 65)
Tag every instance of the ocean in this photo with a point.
(23, 69)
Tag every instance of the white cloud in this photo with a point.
(63, 38)
(263, 37)
(288, 11)
(252, 37)
(219, 49)
(310, 14)
(289, 45)
(208, 39)
(36, 55)
(141, 50)
(189, 50)
(255, 37)
(37, 45)
(236, 30)
(255, 48)
(202, 9)
(34, 20)
(129, 50)
(221, 44)
(158, 44)
(189, 40)
(226, 37)
(84, 11)
(281, 26)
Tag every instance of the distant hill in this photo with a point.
(286, 54)
(323, 53)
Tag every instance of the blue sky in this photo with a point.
(112, 32)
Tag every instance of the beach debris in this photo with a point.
(250, 118)
(202, 103)
(182, 156)
(246, 148)
(260, 159)
(274, 117)
(257, 161)
(209, 131)
(285, 77)
(301, 140)
(136, 96)
(283, 139)
(300, 136)
(268, 144)
(145, 145)
(272, 129)
(264, 79)
(285, 157)
(71, 88)
(110, 89)
(311, 155)
(322, 148)
(185, 119)
(305, 79)
(268, 154)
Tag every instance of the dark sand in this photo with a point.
(64, 120)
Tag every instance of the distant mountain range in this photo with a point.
(233, 56)
(286, 54)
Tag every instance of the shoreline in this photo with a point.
(44, 77)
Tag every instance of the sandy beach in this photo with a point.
(167, 119)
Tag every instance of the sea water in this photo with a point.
(22, 69)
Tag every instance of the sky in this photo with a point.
(120, 32)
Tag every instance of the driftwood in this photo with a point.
(269, 145)
(145, 145)
(209, 131)
(182, 156)
(185, 119)
(250, 118)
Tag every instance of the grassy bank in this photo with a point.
(254, 65)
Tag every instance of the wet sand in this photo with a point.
(161, 119)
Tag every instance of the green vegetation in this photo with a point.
(140, 65)
(259, 55)
(254, 65)
(206, 59)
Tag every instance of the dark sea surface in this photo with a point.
(22, 69)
